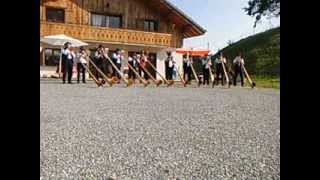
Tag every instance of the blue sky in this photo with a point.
(223, 19)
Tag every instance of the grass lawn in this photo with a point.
(265, 81)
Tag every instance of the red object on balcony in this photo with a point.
(193, 51)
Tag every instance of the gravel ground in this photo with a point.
(158, 133)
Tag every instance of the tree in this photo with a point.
(259, 8)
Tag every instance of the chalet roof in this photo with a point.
(191, 28)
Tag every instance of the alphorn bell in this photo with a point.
(128, 82)
(99, 83)
(157, 82)
(146, 83)
(253, 84)
(168, 82)
(105, 78)
(94, 78)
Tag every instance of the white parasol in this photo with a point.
(58, 41)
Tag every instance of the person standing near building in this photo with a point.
(186, 68)
(170, 61)
(116, 59)
(219, 68)
(131, 61)
(143, 64)
(206, 63)
(81, 65)
(138, 65)
(107, 64)
(67, 62)
(166, 67)
(237, 66)
(98, 60)
(175, 71)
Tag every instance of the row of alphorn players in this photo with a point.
(108, 69)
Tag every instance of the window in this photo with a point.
(55, 15)
(52, 57)
(150, 25)
(105, 21)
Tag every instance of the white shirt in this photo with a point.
(81, 58)
(175, 67)
(238, 60)
(68, 53)
(121, 57)
(117, 57)
(208, 64)
(219, 60)
(170, 62)
(97, 54)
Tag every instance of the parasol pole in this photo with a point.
(60, 63)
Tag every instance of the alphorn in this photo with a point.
(128, 82)
(146, 83)
(195, 74)
(225, 73)
(212, 76)
(180, 76)
(164, 79)
(253, 84)
(149, 74)
(106, 79)
(99, 83)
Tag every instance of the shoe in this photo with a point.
(70, 82)
(84, 82)
(63, 82)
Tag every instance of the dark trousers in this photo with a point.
(238, 71)
(219, 72)
(81, 68)
(116, 72)
(131, 74)
(145, 75)
(187, 72)
(98, 63)
(104, 67)
(166, 66)
(170, 72)
(67, 66)
(205, 76)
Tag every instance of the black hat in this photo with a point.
(66, 43)
(100, 46)
(81, 48)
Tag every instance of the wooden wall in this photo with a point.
(133, 13)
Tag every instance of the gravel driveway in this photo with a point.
(158, 133)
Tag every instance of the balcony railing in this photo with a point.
(92, 33)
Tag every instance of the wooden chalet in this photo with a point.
(133, 25)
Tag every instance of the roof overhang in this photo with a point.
(189, 27)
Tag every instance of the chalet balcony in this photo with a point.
(110, 35)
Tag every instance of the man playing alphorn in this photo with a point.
(219, 68)
(237, 66)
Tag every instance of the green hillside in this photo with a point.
(261, 52)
